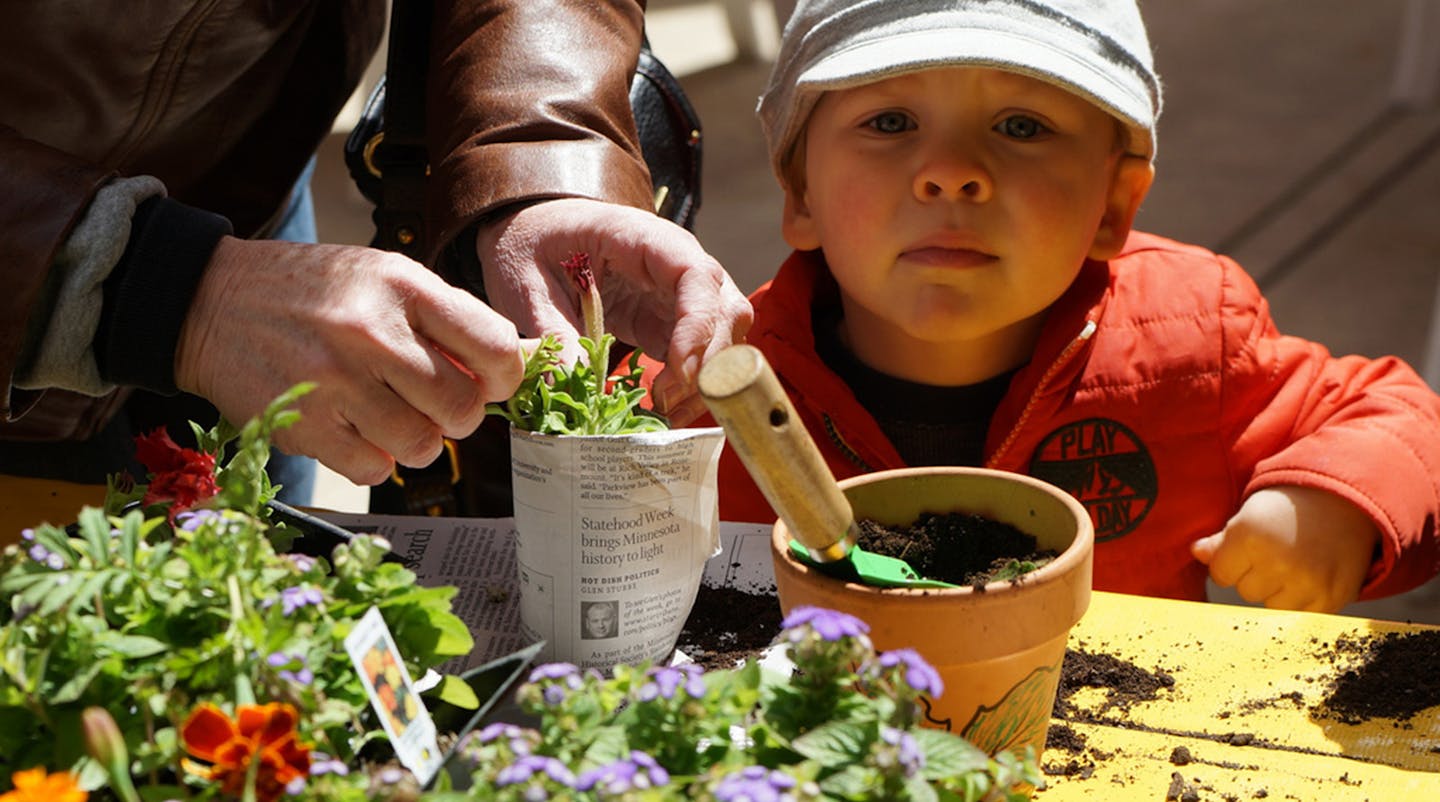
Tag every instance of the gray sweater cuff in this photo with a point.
(64, 355)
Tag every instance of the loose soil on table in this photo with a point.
(1124, 684)
(955, 547)
(1066, 752)
(1392, 676)
(727, 625)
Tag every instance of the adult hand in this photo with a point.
(661, 290)
(399, 357)
(1293, 548)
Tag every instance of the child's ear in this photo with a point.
(1128, 187)
(796, 224)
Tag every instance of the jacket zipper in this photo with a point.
(1060, 362)
(162, 82)
(839, 442)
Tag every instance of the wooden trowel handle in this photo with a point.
(760, 423)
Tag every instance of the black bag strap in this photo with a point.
(398, 152)
(397, 158)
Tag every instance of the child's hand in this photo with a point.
(1294, 548)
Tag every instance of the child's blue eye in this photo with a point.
(1020, 127)
(891, 122)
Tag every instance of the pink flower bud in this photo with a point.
(102, 737)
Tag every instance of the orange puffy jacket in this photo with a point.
(1160, 395)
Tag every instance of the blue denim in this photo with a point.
(297, 224)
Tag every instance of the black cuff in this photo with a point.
(149, 292)
(459, 264)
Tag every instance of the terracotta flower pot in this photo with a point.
(999, 650)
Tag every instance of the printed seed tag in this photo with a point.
(393, 695)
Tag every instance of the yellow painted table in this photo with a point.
(27, 502)
(1245, 683)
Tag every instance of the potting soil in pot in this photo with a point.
(956, 547)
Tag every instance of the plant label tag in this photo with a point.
(393, 695)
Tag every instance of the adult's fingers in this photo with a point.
(389, 345)
(469, 355)
(711, 315)
(337, 444)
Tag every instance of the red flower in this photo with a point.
(182, 476)
(578, 268)
(263, 734)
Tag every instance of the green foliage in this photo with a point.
(147, 618)
(554, 399)
(843, 726)
(140, 612)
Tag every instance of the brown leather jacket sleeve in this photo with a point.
(531, 100)
(58, 189)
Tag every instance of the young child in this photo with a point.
(960, 182)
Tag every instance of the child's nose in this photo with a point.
(952, 177)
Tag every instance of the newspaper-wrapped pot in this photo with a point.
(612, 535)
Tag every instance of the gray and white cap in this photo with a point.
(1095, 48)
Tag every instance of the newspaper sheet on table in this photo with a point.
(477, 556)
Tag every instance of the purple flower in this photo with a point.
(390, 775)
(295, 787)
(558, 671)
(635, 773)
(825, 644)
(907, 751)
(293, 598)
(321, 763)
(498, 729)
(46, 557)
(302, 562)
(27, 534)
(756, 784)
(665, 680)
(521, 741)
(302, 677)
(918, 674)
(287, 662)
(556, 680)
(530, 766)
(190, 520)
(830, 625)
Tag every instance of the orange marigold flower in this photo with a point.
(262, 734)
(36, 785)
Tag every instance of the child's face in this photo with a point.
(955, 205)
